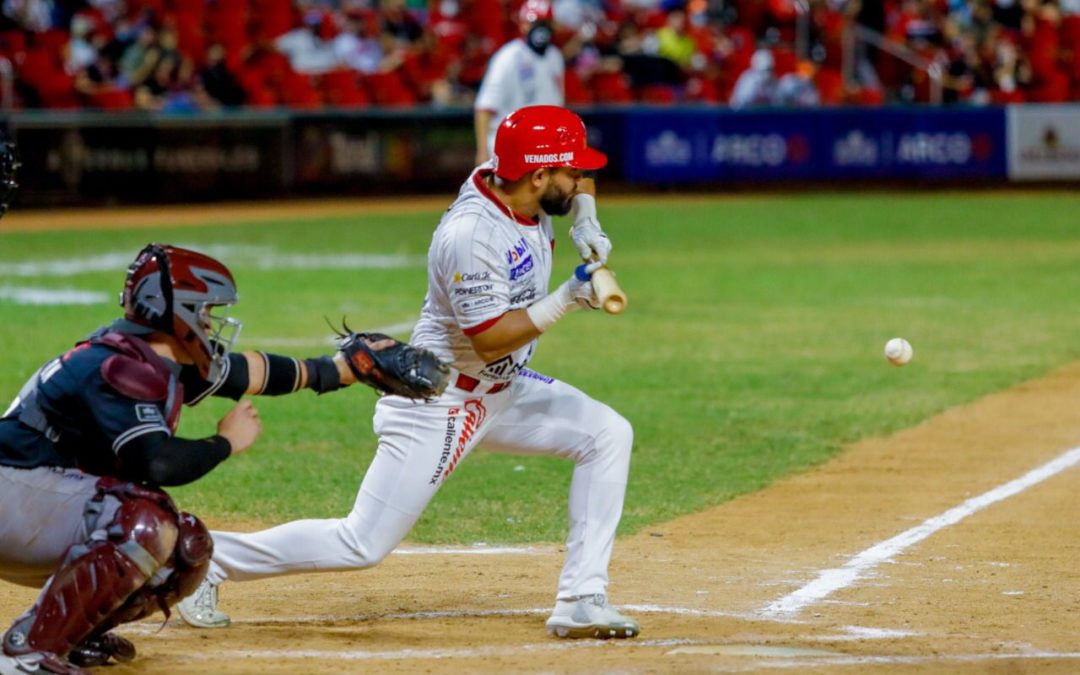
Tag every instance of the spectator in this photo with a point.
(31, 15)
(360, 47)
(673, 42)
(218, 82)
(399, 22)
(797, 89)
(307, 51)
(757, 84)
(137, 61)
(80, 50)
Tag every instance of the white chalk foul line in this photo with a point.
(832, 580)
(29, 295)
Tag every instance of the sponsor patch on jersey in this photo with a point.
(518, 252)
(471, 276)
(146, 412)
(472, 306)
(528, 295)
(533, 375)
(473, 290)
(523, 268)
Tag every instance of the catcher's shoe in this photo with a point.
(200, 608)
(96, 650)
(590, 616)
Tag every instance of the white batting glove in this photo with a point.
(590, 240)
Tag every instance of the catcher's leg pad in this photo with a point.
(96, 578)
(175, 581)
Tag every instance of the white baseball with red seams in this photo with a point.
(484, 260)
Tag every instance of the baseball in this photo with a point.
(898, 351)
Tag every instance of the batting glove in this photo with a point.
(590, 240)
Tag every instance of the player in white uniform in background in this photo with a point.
(489, 267)
(523, 72)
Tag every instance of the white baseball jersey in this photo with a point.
(484, 261)
(516, 77)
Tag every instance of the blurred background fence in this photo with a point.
(85, 157)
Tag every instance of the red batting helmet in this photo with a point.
(542, 136)
(535, 10)
(172, 290)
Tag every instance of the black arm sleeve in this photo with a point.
(159, 459)
(233, 382)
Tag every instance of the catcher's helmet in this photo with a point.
(535, 10)
(542, 136)
(172, 290)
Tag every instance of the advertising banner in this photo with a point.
(672, 146)
(149, 161)
(1044, 142)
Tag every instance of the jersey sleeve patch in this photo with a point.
(134, 379)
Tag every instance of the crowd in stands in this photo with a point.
(188, 55)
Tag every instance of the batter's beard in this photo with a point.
(556, 205)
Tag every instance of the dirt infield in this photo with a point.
(993, 592)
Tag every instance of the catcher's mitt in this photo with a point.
(398, 368)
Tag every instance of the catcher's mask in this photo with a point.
(9, 164)
(174, 290)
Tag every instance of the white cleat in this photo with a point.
(590, 616)
(200, 608)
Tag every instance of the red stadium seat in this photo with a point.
(111, 99)
(576, 91)
(659, 94)
(612, 88)
(388, 89)
(830, 86)
(342, 88)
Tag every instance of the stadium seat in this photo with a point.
(342, 88)
(111, 99)
(576, 91)
(658, 94)
(612, 88)
(388, 89)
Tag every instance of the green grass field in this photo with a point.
(751, 347)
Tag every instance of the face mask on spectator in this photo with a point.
(539, 37)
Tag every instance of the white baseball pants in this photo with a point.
(420, 444)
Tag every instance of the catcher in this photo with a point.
(89, 442)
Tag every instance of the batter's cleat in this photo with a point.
(96, 650)
(37, 663)
(590, 616)
(200, 608)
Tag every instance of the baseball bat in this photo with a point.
(611, 297)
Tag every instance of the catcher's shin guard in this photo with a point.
(96, 579)
(177, 580)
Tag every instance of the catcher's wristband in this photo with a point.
(322, 374)
(547, 311)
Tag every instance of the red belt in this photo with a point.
(466, 383)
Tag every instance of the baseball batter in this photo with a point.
(523, 72)
(489, 266)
